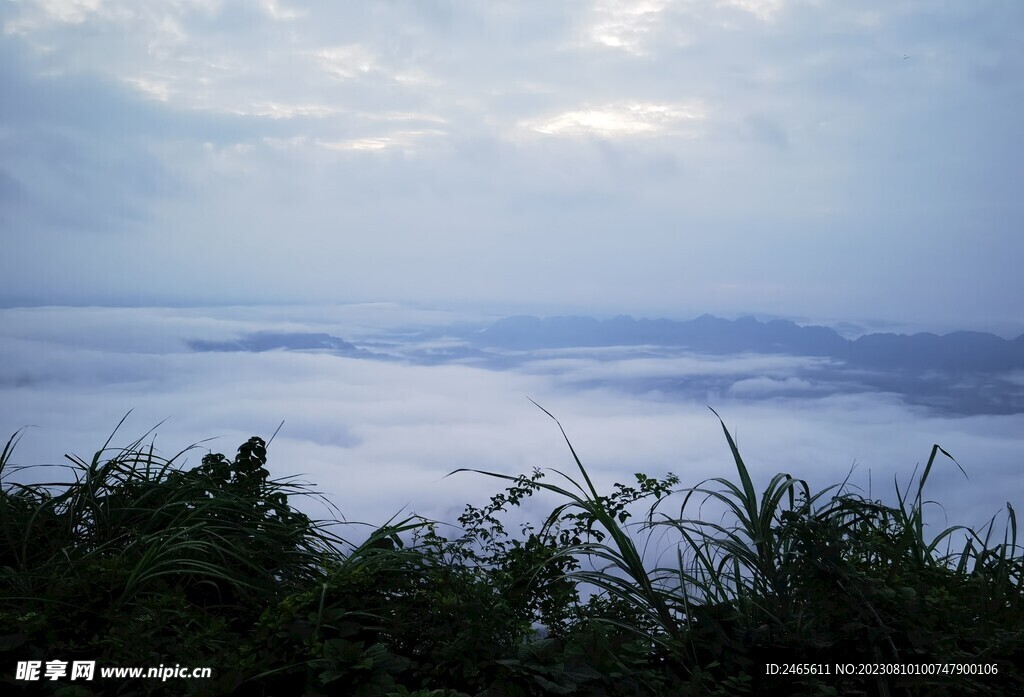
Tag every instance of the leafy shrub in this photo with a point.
(136, 561)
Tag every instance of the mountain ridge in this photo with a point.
(962, 372)
(961, 350)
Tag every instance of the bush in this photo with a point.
(135, 562)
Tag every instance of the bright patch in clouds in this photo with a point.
(279, 12)
(275, 110)
(762, 9)
(346, 62)
(401, 140)
(70, 11)
(623, 120)
(153, 88)
(624, 24)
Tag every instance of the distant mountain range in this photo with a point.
(956, 352)
(960, 351)
(959, 373)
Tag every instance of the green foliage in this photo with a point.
(137, 561)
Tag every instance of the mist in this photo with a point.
(380, 437)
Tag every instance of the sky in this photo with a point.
(802, 158)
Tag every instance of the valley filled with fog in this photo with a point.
(379, 402)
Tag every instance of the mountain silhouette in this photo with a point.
(958, 373)
(270, 341)
(960, 351)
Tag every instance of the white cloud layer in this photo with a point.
(378, 436)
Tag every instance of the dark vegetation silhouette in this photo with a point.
(131, 560)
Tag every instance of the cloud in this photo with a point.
(405, 140)
(625, 25)
(616, 120)
(60, 11)
(625, 360)
(279, 12)
(773, 157)
(763, 385)
(345, 62)
(379, 436)
(762, 9)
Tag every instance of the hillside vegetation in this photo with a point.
(132, 560)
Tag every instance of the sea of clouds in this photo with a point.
(378, 438)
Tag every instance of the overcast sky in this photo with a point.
(798, 157)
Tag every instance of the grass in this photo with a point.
(134, 560)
